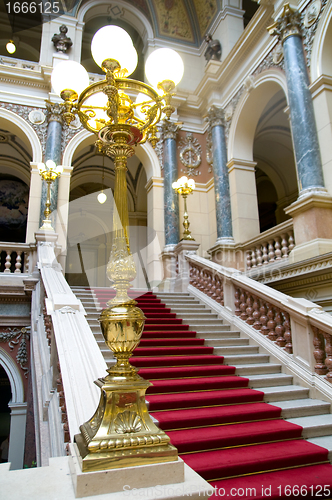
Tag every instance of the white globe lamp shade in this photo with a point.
(69, 75)
(112, 42)
(11, 47)
(164, 64)
(51, 165)
(41, 167)
(191, 183)
(101, 197)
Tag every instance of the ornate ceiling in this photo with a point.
(185, 21)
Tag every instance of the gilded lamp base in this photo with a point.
(121, 433)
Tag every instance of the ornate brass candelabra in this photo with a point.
(185, 186)
(48, 172)
(123, 113)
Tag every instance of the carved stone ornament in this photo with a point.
(61, 41)
(67, 309)
(215, 116)
(37, 117)
(190, 154)
(54, 112)
(19, 336)
(209, 154)
(312, 13)
(169, 129)
(288, 24)
(278, 53)
(213, 51)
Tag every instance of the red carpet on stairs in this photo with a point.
(222, 429)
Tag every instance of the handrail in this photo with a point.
(80, 359)
(297, 327)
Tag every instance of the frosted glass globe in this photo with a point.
(191, 183)
(164, 64)
(11, 47)
(51, 165)
(112, 42)
(101, 197)
(69, 75)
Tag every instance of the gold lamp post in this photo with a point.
(48, 172)
(185, 186)
(122, 113)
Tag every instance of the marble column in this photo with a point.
(304, 130)
(215, 119)
(52, 152)
(171, 198)
(312, 211)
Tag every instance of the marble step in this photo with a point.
(216, 335)
(302, 407)
(325, 442)
(216, 342)
(246, 370)
(242, 359)
(283, 393)
(207, 328)
(269, 380)
(319, 425)
(189, 308)
(201, 316)
(229, 350)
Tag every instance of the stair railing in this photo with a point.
(296, 331)
(15, 258)
(67, 358)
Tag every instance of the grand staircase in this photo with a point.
(229, 410)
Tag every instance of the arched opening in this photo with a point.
(15, 158)
(276, 181)
(90, 222)
(5, 397)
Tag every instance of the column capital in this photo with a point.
(54, 112)
(169, 129)
(215, 116)
(288, 24)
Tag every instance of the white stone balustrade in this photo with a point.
(295, 331)
(270, 246)
(15, 258)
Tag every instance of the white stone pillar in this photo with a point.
(34, 203)
(18, 415)
(61, 227)
(183, 248)
(244, 203)
(155, 230)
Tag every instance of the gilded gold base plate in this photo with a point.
(124, 457)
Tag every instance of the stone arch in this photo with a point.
(144, 152)
(321, 50)
(248, 112)
(24, 131)
(18, 411)
(131, 15)
(14, 376)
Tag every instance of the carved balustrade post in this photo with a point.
(18, 263)
(253, 258)
(243, 305)
(237, 302)
(279, 329)
(271, 324)
(271, 250)
(277, 248)
(328, 360)
(264, 319)
(8, 262)
(259, 258)
(284, 246)
(249, 311)
(256, 314)
(287, 333)
(248, 259)
(213, 287)
(265, 254)
(319, 352)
